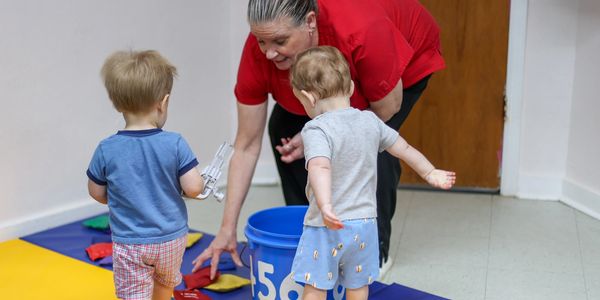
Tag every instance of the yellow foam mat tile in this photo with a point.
(28, 271)
(192, 238)
(227, 282)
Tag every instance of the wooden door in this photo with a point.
(459, 119)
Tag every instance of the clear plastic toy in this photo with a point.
(212, 172)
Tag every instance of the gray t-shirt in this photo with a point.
(351, 139)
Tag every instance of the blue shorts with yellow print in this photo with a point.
(349, 256)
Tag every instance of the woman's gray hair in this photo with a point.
(262, 11)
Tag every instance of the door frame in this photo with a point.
(511, 142)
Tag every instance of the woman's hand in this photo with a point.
(330, 219)
(224, 241)
(441, 179)
(291, 149)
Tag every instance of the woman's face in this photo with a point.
(280, 40)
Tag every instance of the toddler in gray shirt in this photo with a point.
(339, 239)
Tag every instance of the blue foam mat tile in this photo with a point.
(376, 287)
(397, 291)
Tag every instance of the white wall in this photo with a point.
(55, 109)
(546, 104)
(582, 179)
(552, 128)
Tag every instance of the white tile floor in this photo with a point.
(472, 246)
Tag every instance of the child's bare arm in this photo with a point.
(319, 175)
(418, 162)
(191, 183)
(415, 159)
(98, 192)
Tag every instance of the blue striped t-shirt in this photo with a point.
(141, 169)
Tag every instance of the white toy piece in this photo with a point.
(212, 172)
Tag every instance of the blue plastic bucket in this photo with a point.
(273, 235)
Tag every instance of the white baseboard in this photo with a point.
(16, 228)
(539, 187)
(581, 198)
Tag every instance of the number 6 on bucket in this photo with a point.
(288, 285)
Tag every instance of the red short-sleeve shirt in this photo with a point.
(382, 40)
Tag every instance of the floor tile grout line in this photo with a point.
(487, 267)
(587, 296)
(408, 209)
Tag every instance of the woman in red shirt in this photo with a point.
(392, 48)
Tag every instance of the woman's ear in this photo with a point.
(351, 88)
(311, 21)
(310, 97)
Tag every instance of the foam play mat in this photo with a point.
(54, 264)
(72, 239)
(32, 272)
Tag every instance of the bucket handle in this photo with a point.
(246, 245)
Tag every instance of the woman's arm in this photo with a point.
(389, 105)
(247, 146)
(380, 58)
(248, 141)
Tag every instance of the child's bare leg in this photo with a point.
(161, 292)
(311, 293)
(358, 294)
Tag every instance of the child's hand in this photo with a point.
(330, 219)
(441, 179)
